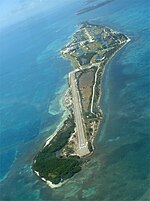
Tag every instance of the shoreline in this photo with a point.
(101, 91)
(63, 118)
(48, 182)
(65, 113)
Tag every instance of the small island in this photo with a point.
(65, 152)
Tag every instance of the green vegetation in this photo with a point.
(57, 168)
(90, 146)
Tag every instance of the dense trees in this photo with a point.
(49, 165)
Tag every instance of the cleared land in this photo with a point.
(85, 83)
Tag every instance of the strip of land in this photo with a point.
(63, 155)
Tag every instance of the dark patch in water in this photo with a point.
(140, 148)
(6, 160)
(24, 134)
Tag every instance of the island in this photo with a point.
(94, 6)
(66, 151)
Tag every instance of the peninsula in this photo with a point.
(65, 152)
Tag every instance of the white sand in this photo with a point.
(37, 173)
(50, 184)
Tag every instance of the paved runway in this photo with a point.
(83, 144)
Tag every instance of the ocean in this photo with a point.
(33, 80)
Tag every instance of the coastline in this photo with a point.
(62, 94)
(49, 183)
(63, 118)
(101, 92)
(114, 54)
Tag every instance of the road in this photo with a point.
(82, 141)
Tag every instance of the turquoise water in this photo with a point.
(32, 72)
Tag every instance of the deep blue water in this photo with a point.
(31, 74)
